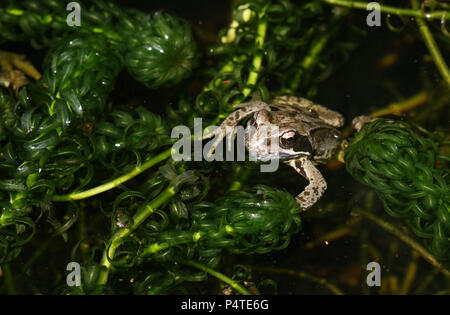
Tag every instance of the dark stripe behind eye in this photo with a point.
(302, 144)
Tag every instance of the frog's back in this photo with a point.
(307, 107)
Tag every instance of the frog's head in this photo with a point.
(270, 135)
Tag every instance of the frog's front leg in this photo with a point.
(232, 120)
(360, 121)
(317, 184)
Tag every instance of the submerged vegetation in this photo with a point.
(86, 177)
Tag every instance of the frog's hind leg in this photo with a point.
(228, 124)
(317, 184)
(329, 116)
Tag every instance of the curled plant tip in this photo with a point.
(187, 177)
(444, 24)
(161, 50)
(168, 171)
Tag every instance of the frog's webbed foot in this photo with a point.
(229, 124)
(14, 67)
(360, 121)
(317, 184)
(329, 116)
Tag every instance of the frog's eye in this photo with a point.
(287, 139)
(292, 140)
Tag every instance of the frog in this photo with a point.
(15, 70)
(307, 136)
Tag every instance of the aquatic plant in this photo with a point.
(71, 156)
(409, 175)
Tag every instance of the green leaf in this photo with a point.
(12, 185)
(73, 101)
(45, 141)
(108, 129)
(27, 121)
(101, 146)
(62, 112)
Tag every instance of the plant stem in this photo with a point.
(364, 257)
(120, 180)
(397, 108)
(228, 67)
(403, 106)
(415, 12)
(432, 46)
(258, 57)
(419, 15)
(301, 274)
(310, 60)
(410, 275)
(115, 182)
(340, 231)
(219, 276)
(142, 214)
(241, 174)
(408, 240)
(8, 279)
(156, 247)
(425, 282)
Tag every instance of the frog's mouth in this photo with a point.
(256, 156)
(263, 157)
(287, 156)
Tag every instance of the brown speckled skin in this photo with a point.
(315, 137)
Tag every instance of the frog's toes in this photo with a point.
(214, 145)
(360, 121)
(217, 135)
(13, 78)
(14, 69)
